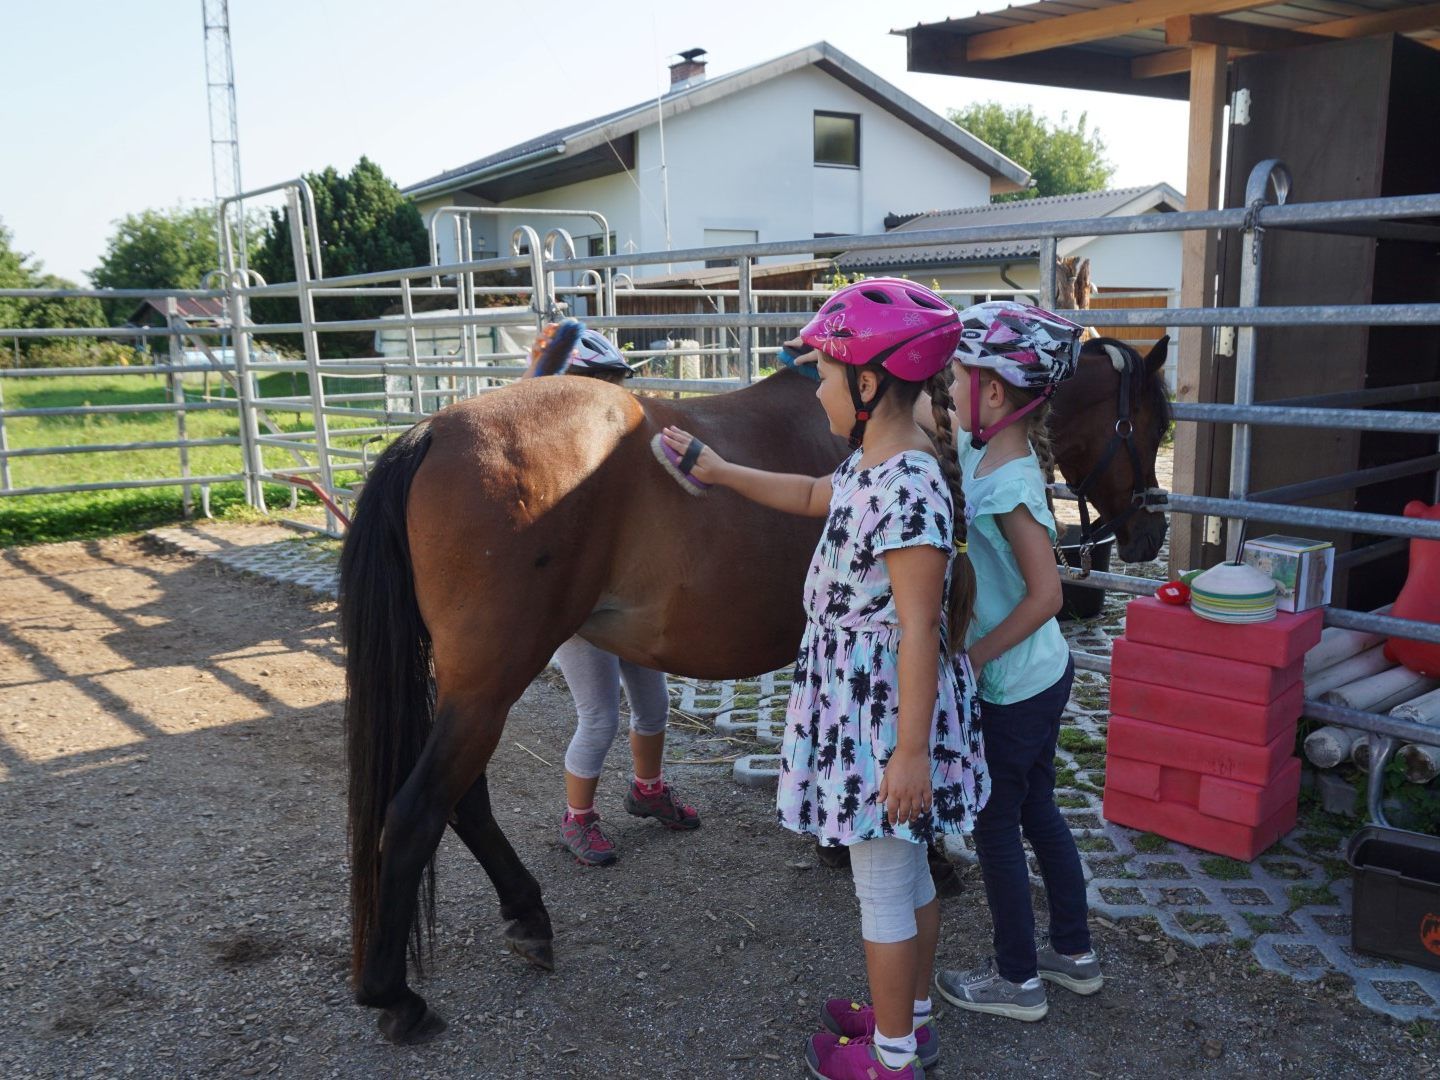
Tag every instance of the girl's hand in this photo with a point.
(708, 466)
(905, 787)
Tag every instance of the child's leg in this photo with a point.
(593, 676)
(1009, 752)
(649, 712)
(886, 886)
(1052, 843)
(927, 923)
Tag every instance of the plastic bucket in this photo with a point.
(1396, 877)
(1082, 601)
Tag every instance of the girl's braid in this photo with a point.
(1037, 430)
(962, 574)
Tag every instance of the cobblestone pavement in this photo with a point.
(1291, 906)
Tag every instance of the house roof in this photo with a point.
(190, 308)
(1116, 202)
(1143, 46)
(600, 134)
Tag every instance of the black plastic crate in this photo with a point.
(1396, 875)
(1081, 601)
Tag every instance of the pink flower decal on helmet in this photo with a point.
(905, 328)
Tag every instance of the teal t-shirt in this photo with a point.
(1038, 662)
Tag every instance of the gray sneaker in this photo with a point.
(1080, 975)
(983, 990)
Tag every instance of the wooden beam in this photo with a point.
(1169, 62)
(1213, 30)
(1399, 21)
(1195, 381)
(1086, 26)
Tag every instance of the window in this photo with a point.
(727, 237)
(597, 245)
(837, 139)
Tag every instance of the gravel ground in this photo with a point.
(172, 884)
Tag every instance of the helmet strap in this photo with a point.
(980, 436)
(863, 411)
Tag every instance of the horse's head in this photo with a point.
(1072, 283)
(1113, 385)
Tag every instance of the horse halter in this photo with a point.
(1124, 435)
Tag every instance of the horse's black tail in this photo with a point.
(389, 692)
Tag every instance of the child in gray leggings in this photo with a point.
(594, 677)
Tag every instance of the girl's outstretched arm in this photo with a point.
(1030, 543)
(917, 582)
(808, 496)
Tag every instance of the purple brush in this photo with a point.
(550, 354)
(679, 467)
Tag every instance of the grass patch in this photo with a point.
(1150, 844)
(1076, 740)
(1308, 895)
(89, 514)
(1266, 924)
(1091, 759)
(1226, 869)
(1198, 923)
(1094, 843)
(1067, 801)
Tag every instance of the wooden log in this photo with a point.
(1423, 710)
(1337, 643)
(1329, 746)
(1370, 662)
(1421, 763)
(1381, 691)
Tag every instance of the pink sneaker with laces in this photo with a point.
(586, 840)
(839, 1057)
(663, 805)
(855, 1019)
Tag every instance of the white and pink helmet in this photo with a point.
(905, 328)
(1026, 346)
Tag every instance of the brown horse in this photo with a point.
(488, 534)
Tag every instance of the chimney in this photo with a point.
(688, 71)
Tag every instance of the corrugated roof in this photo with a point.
(1018, 212)
(576, 138)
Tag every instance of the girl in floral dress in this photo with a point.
(881, 750)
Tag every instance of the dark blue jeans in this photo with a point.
(1020, 754)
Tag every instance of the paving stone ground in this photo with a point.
(1291, 906)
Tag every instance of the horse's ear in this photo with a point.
(1155, 358)
(1082, 279)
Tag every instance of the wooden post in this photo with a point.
(1195, 379)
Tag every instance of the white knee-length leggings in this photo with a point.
(594, 677)
(892, 882)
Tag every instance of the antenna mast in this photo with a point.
(224, 131)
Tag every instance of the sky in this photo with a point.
(103, 105)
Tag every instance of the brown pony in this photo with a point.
(488, 534)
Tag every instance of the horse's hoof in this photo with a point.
(410, 1024)
(537, 951)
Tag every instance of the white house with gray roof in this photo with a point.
(809, 144)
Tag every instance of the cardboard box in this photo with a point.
(1300, 568)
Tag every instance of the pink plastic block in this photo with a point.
(1275, 644)
(1228, 800)
(1213, 675)
(1189, 826)
(1140, 740)
(1242, 721)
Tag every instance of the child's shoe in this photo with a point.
(663, 805)
(982, 989)
(854, 1019)
(1079, 974)
(838, 1057)
(586, 840)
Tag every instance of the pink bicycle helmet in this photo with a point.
(904, 327)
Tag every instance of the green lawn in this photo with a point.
(79, 515)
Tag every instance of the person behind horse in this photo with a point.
(595, 678)
(1010, 359)
(880, 750)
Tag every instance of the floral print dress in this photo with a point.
(841, 722)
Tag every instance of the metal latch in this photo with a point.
(1225, 341)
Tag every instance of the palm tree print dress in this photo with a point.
(841, 721)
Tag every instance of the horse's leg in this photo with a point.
(528, 933)
(455, 754)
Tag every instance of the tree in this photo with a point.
(1061, 159)
(365, 225)
(22, 271)
(157, 249)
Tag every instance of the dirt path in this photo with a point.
(172, 883)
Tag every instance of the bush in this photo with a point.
(80, 352)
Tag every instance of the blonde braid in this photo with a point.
(962, 574)
(1037, 430)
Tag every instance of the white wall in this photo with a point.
(1146, 260)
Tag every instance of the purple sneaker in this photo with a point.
(855, 1019)
(664, 805)
(586, 840)
(838, 1057)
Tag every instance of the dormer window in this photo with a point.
(837, 139)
